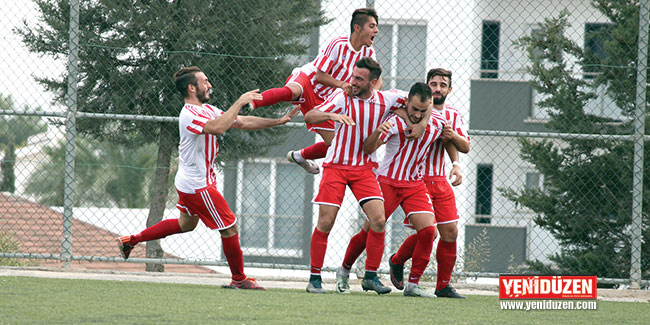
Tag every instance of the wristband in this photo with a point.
(455, 163)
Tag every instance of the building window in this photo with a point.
(594, 49)
(401, 51)
(270, 206)
(483, 207)
(490, 49)
(532, 180)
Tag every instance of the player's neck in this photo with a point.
(440, 107)
(193, 101)
(355, 42)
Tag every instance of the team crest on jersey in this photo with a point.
(344, 57)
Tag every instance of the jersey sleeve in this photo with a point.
(458, 124)
(326, 58)
(193, 121)
(398, 98)
(333, 104)
(392, 131)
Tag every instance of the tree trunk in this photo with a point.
(8, 183)
(159, 195)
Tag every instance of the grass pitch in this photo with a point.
(38, 300)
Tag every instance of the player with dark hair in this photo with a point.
(198, 197)
(312, 83)
(346, 164)
(442, 195)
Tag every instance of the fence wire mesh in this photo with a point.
(547, 89)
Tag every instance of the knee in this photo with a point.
(448, 235)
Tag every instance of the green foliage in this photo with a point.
(586, 202)
(477, 253)
(9, 245)
(14, 132)
(107, 174)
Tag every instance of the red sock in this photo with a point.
(160, 230)
(446, 258)
(317, 250)
(374, 250)
(234, 256)
(315, 151)
(356, 246)
(405, 251)
(274, 96)
(422, 253)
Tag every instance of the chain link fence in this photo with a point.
(552, 93)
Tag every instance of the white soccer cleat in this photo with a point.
(414, 290)
(308, 165)
(342, 281)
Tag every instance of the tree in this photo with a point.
(586, 203)
(14, 132)
(128, 52)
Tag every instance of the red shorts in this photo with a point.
(443, 199)
(362, 182)
(413, 199)
(209, 205)
(311, 100)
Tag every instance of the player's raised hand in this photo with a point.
(385, 127)
(250, 96)
(287, 117)
(414, 131)
(344, 119)
(347, 88)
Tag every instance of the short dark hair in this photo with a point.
(420, 89)
(370, 64)
(439, 72)
(361, 16)
(184, 77)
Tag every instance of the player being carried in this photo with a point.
(400, 179)
(312, 83)
(198, 197)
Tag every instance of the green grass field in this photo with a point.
(38, 300)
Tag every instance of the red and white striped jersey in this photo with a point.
(404, 159)
(337, 60)
(435, 164)
(196, 150)
(346, 151)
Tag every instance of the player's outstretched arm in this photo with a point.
(222, 123)
(459, 141)
(258, 123)
(315, 116)
(373, 141)
(455, 175)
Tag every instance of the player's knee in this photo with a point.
(448, 234)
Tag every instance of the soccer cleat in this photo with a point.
(396, 273)
(414, 290)
(342, 281)
(449, 292)
(248, 283)
(246, 109)
(308, 165)
(375, 285)
(124, 244)
(315, 286)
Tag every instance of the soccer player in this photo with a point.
(346, 164)
(400, 179)
(312, 83)
(198, 197)
(442, 195)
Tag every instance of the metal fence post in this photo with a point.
(639, 127)
(70, 126)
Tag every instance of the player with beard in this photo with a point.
(442, 195)
(198, 197)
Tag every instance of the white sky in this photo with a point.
(18, 65)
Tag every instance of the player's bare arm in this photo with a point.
(455, 175)
(315, 116)
(257, 123)
(459, 141)
(325, 79)
(222, 123)
(414, 131)
(373, 142)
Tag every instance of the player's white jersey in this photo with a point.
(346, 151)
(196, 151)
(404, 159)
(435, 164)
(337, 60)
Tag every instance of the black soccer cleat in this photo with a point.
(448, 292)
(396, 274)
